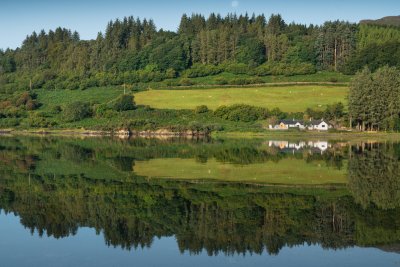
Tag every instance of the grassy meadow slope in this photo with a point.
(172, 107)
(287, 98)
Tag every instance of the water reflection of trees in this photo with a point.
(374, 174)
(227, 219)
(219, 218)
(121, 153)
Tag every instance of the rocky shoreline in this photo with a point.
(121, 133)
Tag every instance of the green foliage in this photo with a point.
(373, 175)
(38, 120)
(76, 111)
(236, 68)
(6, 122)
(199, 127)
(314, 114)
(170, 55)
(377, 46)
(374, 56)
(374, 99)
(334, 111)
(201, 109)
(251, 52)
(56, 109)
(131, 51)
(185, 82)
(124, 102)
(284, 69)
(221, 81)
(200, 70)
(240, 112)
(101, 171)
(335, 44)
(7, 62)
(27, 100)
(379, 35)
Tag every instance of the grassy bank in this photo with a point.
(300, 135)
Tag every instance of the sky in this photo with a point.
(18, 18)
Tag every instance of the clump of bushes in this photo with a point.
(125, 102)
(76, 111)
(244, 81)
(202, 70)
(185, 82)
(9, 122)
(220, 81)
(27, 100)
(237, 68)
(18, 106)
(201, 109)
(284, 69)
(56, 109)
(39, 120)
(241, 112)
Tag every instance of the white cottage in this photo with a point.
(287, 124)
(319, 125)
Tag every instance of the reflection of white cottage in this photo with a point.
(280, 144)
(319, 125)
(321, 145)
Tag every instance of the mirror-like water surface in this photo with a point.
(149, 202)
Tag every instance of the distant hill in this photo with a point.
(395, 248)
(387, 21)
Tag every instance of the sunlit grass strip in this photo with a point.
(287, 98)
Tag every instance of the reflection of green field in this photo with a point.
(92, 169)
(286, 171)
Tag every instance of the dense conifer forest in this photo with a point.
(132, 51)
(133, 55)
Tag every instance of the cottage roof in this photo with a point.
(291, 122)
(317, 122)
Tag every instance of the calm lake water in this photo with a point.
(150, 202)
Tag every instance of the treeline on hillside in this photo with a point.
(134, 51)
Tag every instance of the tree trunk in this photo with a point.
(335, 54)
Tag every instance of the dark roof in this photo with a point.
(290, 122)
(317, 122)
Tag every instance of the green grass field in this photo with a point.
(287, 98)
(286, 171)
(49, 99)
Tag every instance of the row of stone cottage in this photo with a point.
(316, 125)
